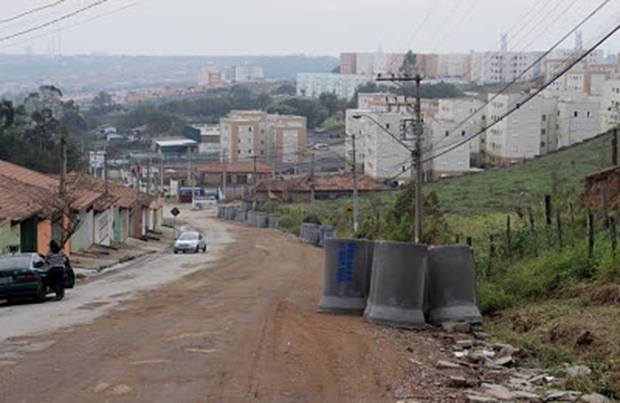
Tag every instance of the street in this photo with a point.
(235, 324)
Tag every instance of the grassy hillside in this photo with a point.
(503, 189)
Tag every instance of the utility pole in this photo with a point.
(105, 170)
(225, 174)
(416, 153)
(355, 194)
(148, 176)
(418, 160)
(312, 186)
(254, 181)
(63, 161)
(161, 176)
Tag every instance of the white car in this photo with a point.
(321, 146)
(205, 200)
(190, 241)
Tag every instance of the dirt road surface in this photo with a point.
(235, 324)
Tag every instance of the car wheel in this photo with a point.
(175, 251)
(41, 294)
(204, 249)
(197, 249)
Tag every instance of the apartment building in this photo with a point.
(247, 72)
(518, 137)
(610, 105)
(210, 77)
(503, 67)
(377, 153)
(287, 143)
(343, 85)
(456, 120)
(245, 135)
(209, 138)
(577, 121)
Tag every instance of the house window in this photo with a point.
(242, 179)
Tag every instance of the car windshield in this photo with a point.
(15, 262)
(188, 236)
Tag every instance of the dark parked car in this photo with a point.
(24, 275)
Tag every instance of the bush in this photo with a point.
(492, 298)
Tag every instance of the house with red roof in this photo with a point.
(239, 175)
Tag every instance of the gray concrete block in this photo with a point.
(451, 285)
(347, 268)
(397, 285)
(260, 220)
(273, 220)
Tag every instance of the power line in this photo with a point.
(96, 17)
(54, 21)
(528, 98)
(32, 11)
(531, 66)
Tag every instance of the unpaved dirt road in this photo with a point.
(238, 324)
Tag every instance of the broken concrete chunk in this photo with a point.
(441, 364)
(465, 343)
(579, 371)
(593, 398)
(504, 362)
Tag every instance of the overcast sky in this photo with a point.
(312, 27)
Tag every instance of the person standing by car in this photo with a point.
(56, 258)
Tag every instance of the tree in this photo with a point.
(102, 103)
(409, 66)
(330, 101)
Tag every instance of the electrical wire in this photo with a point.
(96, 17)
(532, 65)
(527, 99)
(32, 11)
(54, 21)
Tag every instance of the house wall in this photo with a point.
(103, 227)
(83, 238)
(9, 235)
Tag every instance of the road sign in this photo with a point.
(349, 210)
(175, 211)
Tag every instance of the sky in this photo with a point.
(285, 27)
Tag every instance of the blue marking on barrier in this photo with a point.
(346, 255)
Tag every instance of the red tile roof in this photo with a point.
(322, 183)
(19, 201)
(235, 167)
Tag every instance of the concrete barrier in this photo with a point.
(347, 270)
(230, 212)
(240, 215)
(326, 232)
(260, 220)
(451, 285)
(251, 218)
(397, 286)
(272, 221)
(309, 233)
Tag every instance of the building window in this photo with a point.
(575, 114)
(543, 131)
(542, 144)
(242, 179)
(590, 114)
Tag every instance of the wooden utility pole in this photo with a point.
(63, 161)
(418, 160)
(312, 186)
(614, 147)
(355, 191)
(105, 171)
(148, 176)
(225, 174)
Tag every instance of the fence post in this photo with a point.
(491, 254)
(508, 236)
(590, 233)
(558, 226)
(612, 235)
(548, 209)
(601, 186)
(532, 226)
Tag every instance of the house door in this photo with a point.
(28, 235)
